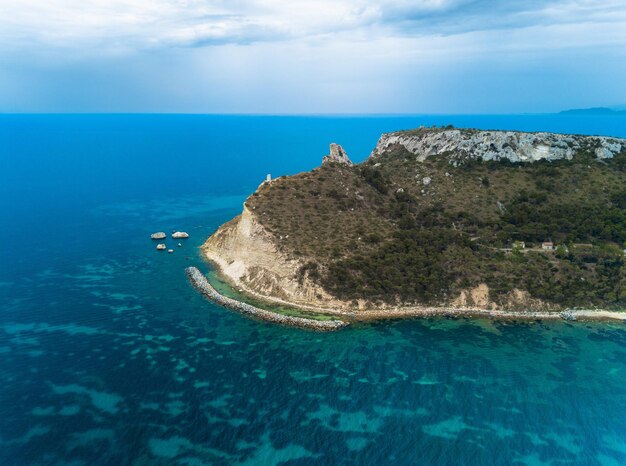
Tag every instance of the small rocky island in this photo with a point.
(440, 221)
(160, 235)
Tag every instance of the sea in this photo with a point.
(109, 357)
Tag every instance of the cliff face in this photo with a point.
(248, 258)
(497, 145)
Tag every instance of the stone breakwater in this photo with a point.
(200, 282)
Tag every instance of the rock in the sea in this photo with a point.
(159, 235)
(161, 247)
(180, 234)
(179, 245)
(337, 154)
(170, 251)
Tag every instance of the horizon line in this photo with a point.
(312, 114)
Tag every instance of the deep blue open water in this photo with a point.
(108, 356)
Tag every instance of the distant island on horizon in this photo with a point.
(594, 111)
(439, 220)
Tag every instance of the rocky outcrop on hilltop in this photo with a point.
(513, 146)
(337, 154)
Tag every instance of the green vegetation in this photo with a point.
(378, 231)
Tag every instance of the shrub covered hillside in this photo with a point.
(397, 229)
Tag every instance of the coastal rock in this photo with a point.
(514, 146)
(568, 315)
(158, 235)
(337, 154)
(180, 234)
(248, 256)
(161, 247)
(170, 251)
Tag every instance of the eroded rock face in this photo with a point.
(337, 154)
(475, 297)
(497, 145)
(516, 299)
(248, 257)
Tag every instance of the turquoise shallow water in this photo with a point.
(108, 356)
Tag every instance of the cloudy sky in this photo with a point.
(306, 56)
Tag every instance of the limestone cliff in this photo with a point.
(514, 146)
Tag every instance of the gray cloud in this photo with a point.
(463, 16)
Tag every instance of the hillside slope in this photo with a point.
(434, 217)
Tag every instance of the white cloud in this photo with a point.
(147, 24)
(157, 23)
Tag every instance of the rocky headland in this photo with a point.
(432, 223)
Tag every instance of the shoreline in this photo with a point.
(366, 315)
(200, 282)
